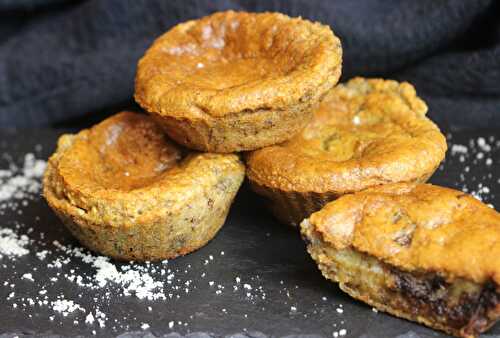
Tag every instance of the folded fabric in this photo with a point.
(63, 60)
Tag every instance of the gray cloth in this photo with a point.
(63, 61)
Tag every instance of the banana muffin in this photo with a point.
(236, 81)
(124, 190)
(365, 133)
(421, 252)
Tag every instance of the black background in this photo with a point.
(67, 63)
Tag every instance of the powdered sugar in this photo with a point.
(478, 154)
(132, 280)
(89, 319)
(458, 149)
(12, 244)
(65, 307)
(20, 183)
(28, 276)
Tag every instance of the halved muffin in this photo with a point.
(365, 133)
(421, 252)
(237, 81)
(124, 190)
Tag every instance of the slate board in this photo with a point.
(256, 249)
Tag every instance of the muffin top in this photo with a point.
(365, 133)
(415, 227)
(123, 153)
(237, 62)
(124, 170)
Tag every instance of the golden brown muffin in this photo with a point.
(365, 133)
(422, 252)
(124, 190)
(237, 81)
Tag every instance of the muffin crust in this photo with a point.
(365, 133)
(418, 251)
(237, 81)
(124, 190)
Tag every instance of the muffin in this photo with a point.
(236, 81)
(125, 190)
(421, 252)
(365, 133)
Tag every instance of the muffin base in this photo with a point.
(292, 207)
(170, 234)
(149, 243)
(236, 132)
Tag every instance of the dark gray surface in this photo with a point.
(260, 251)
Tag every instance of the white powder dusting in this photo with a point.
(18, 186)
(136, 282)
(458, 149)
(89, 319)
(475, 169)
(42, 254)
(66, 306)
(133, 282)
(19, 183)
(481, 143)
(27, 276)
(11, 244)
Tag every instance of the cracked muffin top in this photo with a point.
(416, 227)
(365, 133)
(127, 169)
(237, 62)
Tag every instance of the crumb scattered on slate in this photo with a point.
(463, 157)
